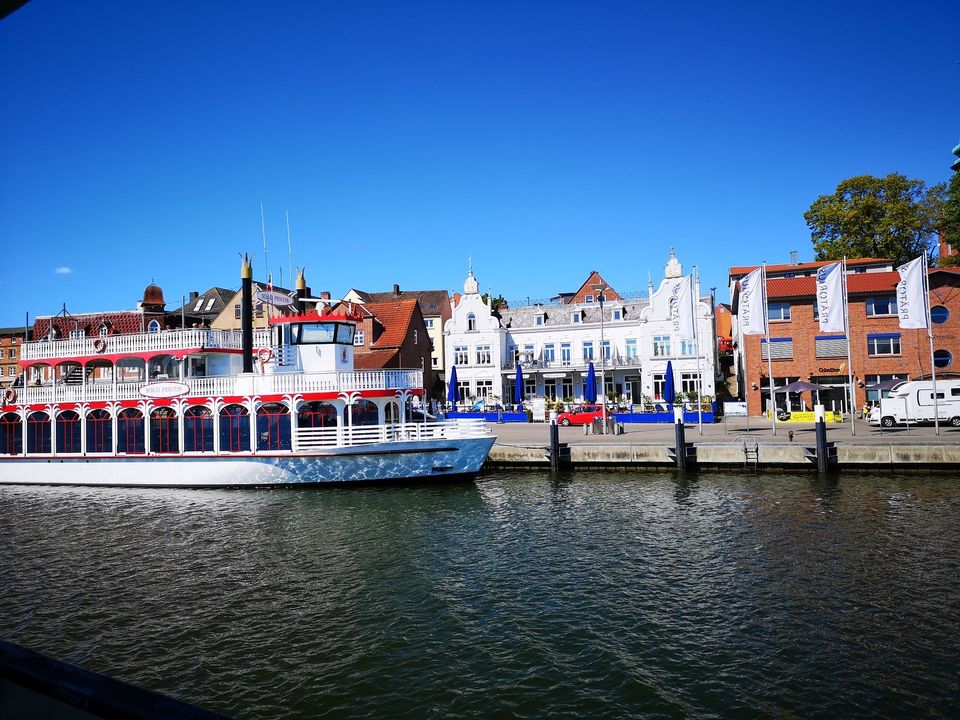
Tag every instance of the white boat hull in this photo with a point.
(379, 462)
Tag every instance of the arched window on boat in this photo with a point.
(38, 433)
(68, 432)
(130, 436)
(317, 414)
(234, 429)
(391, 413)
(197, 429)
(163, 431)
(99, 432)
(273, 427)
(364, 412)
(131, 369)
(11, 434)
(153, 327)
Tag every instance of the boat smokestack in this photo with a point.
(301, 290)
(246, 313)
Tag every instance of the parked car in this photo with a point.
(580, 415)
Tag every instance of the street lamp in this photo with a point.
(603, 356)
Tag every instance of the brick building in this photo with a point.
(11, 340)
(881, 350)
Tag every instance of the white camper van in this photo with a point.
(912, 402)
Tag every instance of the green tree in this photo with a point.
(889, 217)
(950, 222)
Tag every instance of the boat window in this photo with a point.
(345, 334)
(313, 333)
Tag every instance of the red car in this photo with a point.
(580, 415)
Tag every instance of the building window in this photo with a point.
(606, 349)
(12, 353)
(196, 308)
(210, 303)
(483, 354)
(435, 362)
(429, 323)
(415, 338)
(260, 309)
(778, 311)
(659, 383)
(882, 305)
(939, 314)
(528, 356)
(461, 355)
(538, 320)
(565, 355)
(883, 344)
(875, 395)
(688, 382)
(549, 353)
(829, 346)
(942, 358)
(631, 349)
(236, 312)
(358, 337)
(529, 387)
(153, 327)
(618, 314)
(688, 347)
(780, 348)
(484, 388)
(103, 330)
(11, 371)
(77, 334)
(661, 345)
(471, 322)
(463, 390)
(588, 351)
(576, 317)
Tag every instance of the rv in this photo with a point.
(912, 402)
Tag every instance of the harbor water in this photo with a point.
(519, 595)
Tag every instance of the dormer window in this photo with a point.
(577, 317)
(471, 322)
(538, 320)
(588, 298)
(153, 327)
(103, 330)
(618, 314)
(77, 334)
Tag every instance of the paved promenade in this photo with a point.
(735, 430)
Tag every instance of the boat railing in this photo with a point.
(229, 385)
(172, 340)
(307, 439)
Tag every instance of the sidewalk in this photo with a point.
(735, 430)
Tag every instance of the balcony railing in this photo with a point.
(270, 384)
(573, 364)
(171, 340)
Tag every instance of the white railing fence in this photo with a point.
(307, 439)
(143, 342)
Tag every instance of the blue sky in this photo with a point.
(542, 140)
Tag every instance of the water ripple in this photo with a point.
(593, 595)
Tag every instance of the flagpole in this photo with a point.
(695, 299)
(846, 331)
(933, 368)
(766, 326)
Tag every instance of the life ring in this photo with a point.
(100, 345)
(9, 396)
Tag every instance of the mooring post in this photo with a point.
(823, 456)
(680, 438)
(554, 441)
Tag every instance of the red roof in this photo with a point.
(589, 286)
(744, 269)
(396, 318)
(856, 284)
(120, 323)
(376, 359)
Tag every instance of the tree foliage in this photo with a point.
(889, 217)
(950, 221)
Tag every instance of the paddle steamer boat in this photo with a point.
(196, 407)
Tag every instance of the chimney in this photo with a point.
(246, 313)
(193, 295)
(794, 258)
(396, 290)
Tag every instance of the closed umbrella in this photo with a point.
(590, 387)
(518, 387)
(452, 393)
(669, 392)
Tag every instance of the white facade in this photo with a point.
(555, 344)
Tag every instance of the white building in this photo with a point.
(555, 343)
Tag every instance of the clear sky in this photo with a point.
(542, 140)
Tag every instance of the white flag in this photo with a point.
(830, 299)
(753, 298)
(911, 303)
(681, 307)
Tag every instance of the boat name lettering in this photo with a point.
(164, 389)
(272, 297)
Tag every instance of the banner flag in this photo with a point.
(911, 303)
(830, 300)
(753, 299)
(681, 308)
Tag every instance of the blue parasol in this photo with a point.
(669, 393)
(452, 391)
(518, 387)
(590, 386)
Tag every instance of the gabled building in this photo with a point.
(229, 316)
(11, 341)
(555, 343)
(204, 308)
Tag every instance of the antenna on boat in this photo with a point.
(263, 231)
(289, 244)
